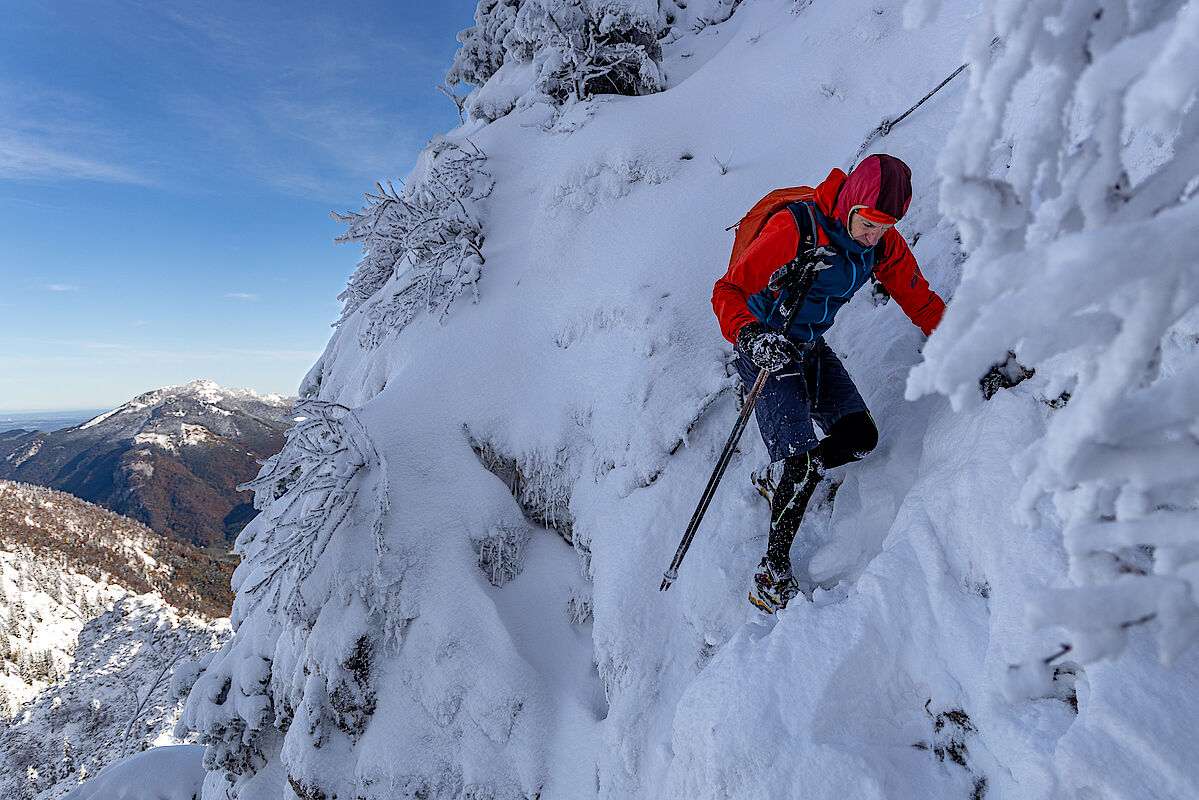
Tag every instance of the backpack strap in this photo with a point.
(807, 240)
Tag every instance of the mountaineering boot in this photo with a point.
(763, 483)
(772, 588)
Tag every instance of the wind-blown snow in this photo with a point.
(373, 657)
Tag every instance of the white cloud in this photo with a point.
(66, 352)
(291, 103)
(24, 158)
(62, 287)
(241, 296)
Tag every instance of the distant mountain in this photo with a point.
(96, 613)
(171, 458)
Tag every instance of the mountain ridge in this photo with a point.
(171, 458)
(90, 538)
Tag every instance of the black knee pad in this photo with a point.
(849, 439)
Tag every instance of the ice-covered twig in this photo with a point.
(306, 493)
(423, 247)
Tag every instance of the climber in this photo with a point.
(855, 217)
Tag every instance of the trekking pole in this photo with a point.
(726, 456)
(742, 419)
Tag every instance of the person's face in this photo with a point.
(865, 232)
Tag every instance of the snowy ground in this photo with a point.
(163, 773)
(372, 656)
(107, 694)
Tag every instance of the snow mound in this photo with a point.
(164, 773)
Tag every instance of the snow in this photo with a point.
(981, 619)
(97, 420)
(86, 660)
(194, 434)
(163, 773)
(204, 391)
(20, 457)
(529, 608)
(143, 468)
(1075, 266)
(160, 440)
(57, 623)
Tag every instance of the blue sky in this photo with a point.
(167, 170)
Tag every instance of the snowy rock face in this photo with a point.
(171, 458)
(88, 645)
(452, 588)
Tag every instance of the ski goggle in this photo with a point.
(873, 215)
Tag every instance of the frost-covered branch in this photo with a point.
(521, 52)
(276, 686)
(422, 245)
(143, 701)
(1082, 228)
(306, 492)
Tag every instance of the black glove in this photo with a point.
(1004, 375)
(770, 351)
(798, 274)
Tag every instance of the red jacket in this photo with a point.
(893, 265)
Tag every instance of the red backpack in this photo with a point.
(755, 219)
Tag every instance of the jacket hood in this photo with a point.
(881, 182)
(827, 191)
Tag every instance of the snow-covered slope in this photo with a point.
(88, 644)
(558, 432)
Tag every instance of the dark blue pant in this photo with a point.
(818, 390)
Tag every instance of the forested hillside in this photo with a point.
(93, 620)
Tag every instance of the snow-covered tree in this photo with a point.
(280, 688)
(557, 51)
(109, 702)
(422, 243)
(1072, 175)
(482, 51)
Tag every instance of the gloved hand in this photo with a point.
(770, 351)
(798, 274)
